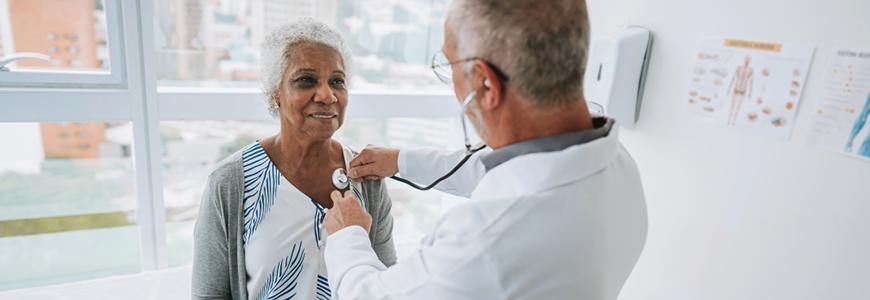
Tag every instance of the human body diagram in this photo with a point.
(748, 85)
(740, 89)
(864, 150)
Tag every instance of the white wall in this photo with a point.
(735, 215)
(21, 147)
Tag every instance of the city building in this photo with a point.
(266, 14)
(65, 31)
(62, 29)
(73, 140)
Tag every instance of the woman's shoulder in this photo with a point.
(229, 168)
(228, 175)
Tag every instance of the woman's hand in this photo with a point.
(345, 212)
(374, 163)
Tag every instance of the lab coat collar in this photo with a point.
(559, 142)
(536, 172)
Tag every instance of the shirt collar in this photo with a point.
(601, 127)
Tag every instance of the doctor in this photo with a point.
(557, 210)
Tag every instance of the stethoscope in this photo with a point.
(341, 181)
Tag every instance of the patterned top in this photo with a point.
(284, 235)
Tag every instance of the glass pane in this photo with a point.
(192, 148)
(67, 203)
(72, 32)
(190, 151)
(215, 43)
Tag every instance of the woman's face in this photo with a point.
(312, 96)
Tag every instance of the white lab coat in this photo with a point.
(569, 224)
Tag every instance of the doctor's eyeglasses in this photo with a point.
(441, 66)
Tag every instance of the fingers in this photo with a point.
(349, 199)
(362, 171)
(335, 195)
(341, 200)
(367, 156)
(363, 158)
(373, 163)
(362, 165)
(346, 211)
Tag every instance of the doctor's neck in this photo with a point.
(516, 121)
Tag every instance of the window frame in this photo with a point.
(112, 78)
(129, 92)
(188, 104)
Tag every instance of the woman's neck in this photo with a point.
(301, 154)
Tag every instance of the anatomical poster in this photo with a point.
(747, 85)
(840, 116)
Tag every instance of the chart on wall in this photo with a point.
(840, 116)
(748, 85)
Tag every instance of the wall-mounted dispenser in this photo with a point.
(616, 71)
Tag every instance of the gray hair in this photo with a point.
(541, 46)
(282, 41)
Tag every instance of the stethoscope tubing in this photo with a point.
(442, 178)
(340, 179)
(468, 151)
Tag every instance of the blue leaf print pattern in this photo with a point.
(282, 281)
(261, 184)
(323, 292)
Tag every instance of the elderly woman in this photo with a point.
(259, 234)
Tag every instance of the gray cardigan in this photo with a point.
(218, 253)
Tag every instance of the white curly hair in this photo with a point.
(277, 48)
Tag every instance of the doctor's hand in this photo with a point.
(374, 163)
(345, 212)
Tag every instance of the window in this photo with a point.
(116, 133)
(65, 213)
(79, 38)
(193, 148)
(215, 43)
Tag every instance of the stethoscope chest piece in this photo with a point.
(339, 178)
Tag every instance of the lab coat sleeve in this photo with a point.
(450, 265)
(423, 166)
